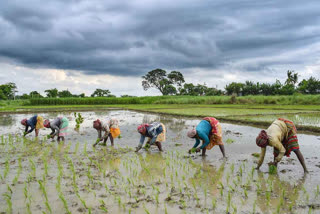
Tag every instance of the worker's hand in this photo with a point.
(198, 150)
(193, 150)
(138, 148)
(272, 163)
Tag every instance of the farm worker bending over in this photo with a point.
(155, 132)
(59, 127)
(282, 136)
(209, 131)
(35, 122)
(110, 128)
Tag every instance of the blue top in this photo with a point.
(32, 122)
(152, 132)
(203, 131)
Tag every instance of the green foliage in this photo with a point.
(64, 93)
(272, 169)
(79, 119)
(284, 100)
(7, 91)
(52, 92)
(101, 93)
(35, 94)
(159, 79)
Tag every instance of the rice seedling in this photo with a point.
(317, 191)
(6, 169)
(8, 197)
(65, 203)
(83, 202)
(254, 207)
(78, 119)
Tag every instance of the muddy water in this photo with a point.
(121, 181)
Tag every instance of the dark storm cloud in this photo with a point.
(133, 37)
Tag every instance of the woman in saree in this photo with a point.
(210, 133)
(282, 136)
(34, 123)
(59, 127)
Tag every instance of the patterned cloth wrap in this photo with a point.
(39, 123)
(290, 143)
(152, 131)
(63, 127)
(114, 128)
(216, 132)
(262, 140)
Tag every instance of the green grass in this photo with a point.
(209, 100)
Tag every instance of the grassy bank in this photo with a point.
(283, 100)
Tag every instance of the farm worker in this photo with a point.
(35, 123)
(155, 132)
(59, 127)
(210, 132)
(110, 128)
(282, 136)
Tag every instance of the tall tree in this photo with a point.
(292, 78)
(35, 94)
(101, 93)
(159, 79)
(52, 93)
(65, 93)
(8, 90)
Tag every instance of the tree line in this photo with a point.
(173, 83)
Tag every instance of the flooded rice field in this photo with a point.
(304, 119)
(40, 176)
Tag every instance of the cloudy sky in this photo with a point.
(81, 45)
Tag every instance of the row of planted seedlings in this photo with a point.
(51, 177)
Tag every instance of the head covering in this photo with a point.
(142, 129)
(262, 139)
(97, 124)
(192, 133)
(46, 123)
(24, 122)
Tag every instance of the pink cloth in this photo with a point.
(46, 123)
(192, 133)
(142, 129)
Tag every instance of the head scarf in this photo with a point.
(192, 133)
(24, 122)
(262, 139)
(46, 123)
(97, 124)
(142, 129)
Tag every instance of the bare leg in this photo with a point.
(37, 132)
(204, 152)
(301, 159)
(111, 139)
(159, 146)
(58, 138)
(222, 150)
(105, 141)
(62, 138)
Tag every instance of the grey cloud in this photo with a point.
(133, 37)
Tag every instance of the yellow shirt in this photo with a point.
(277, 132)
